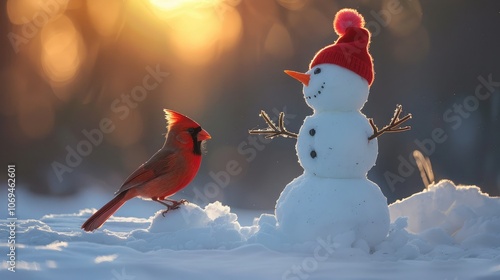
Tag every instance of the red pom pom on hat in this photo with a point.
(347, 18)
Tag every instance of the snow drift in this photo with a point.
(457, 225)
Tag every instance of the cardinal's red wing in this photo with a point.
(159, 164)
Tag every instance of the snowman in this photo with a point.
(336, 146)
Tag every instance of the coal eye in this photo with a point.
(191, 130)
(317, 71)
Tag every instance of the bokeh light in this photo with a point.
(105, 15)
(22, 12)
(278, 42)
(63, 51)
(197, 29)
(407, 21)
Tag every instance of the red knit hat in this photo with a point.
(351, 49)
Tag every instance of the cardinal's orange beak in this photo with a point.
(203, 135)
(301, 77)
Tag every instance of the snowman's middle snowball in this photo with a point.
(335, 145)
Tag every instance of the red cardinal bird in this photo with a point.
(164, 174)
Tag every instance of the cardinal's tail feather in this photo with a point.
(102, 215)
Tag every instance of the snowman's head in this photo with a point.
(329, 87)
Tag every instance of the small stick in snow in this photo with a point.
(425, 167)
(273, 130)
(393, 126)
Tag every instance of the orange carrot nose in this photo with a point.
(301, 77)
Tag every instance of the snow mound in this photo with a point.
(192, 227)
(451, 218)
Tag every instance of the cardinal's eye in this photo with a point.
(317, 71)
(191, 130)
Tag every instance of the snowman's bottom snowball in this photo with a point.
(310, 207)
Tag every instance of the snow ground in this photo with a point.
(446, 232)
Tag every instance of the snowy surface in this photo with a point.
(446, 232)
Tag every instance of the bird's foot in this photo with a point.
(175, 205)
